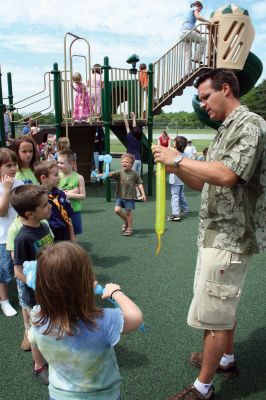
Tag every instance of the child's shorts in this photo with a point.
(6, 265)
(77, 222)
(125, 203)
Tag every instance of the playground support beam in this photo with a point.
(150, 128)
(57, 100)
(107, 118)
(2, 123)
(10, 102)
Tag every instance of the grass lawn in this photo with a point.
(118, 147)
(153, 365)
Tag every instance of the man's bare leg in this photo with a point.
(213, 348)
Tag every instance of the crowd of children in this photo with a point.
(40, 216)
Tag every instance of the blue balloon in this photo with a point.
(107, 159)
(30, 269)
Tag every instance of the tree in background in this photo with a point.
(255, 100)
(181, 119)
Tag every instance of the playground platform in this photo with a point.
(156, 364)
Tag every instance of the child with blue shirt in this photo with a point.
(47, 173)
(77, 338)
(178, 199)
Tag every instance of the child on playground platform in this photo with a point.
(77, 338)
(143, 76)
(25, 149)
(127, 180)
(8, 168)
(81, 110)
(178, 199)
(95, 85)
(31, 204)
(47, 173)
(73, 185)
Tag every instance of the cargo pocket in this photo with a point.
(218, 302)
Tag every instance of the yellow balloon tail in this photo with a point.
(159, 244)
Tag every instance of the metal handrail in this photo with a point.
(171, 71)
(36, 115)
(126, 88)
(35, 94)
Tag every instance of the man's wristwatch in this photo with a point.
(177, 160)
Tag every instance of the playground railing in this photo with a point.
(178, 65)
(127, 94)
(45, 96)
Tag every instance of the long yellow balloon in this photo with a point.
(160, 203)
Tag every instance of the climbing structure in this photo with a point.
(226, 43)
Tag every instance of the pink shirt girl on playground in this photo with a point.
(81, 110)
(95, 84)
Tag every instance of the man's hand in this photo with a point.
(165, 155)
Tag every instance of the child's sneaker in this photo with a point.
(25, 345)
(7, 309)
(42, 375)
(173, 218)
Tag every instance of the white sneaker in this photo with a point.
(7, 309)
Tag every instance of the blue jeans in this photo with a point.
(6, 265)
(178, 200)
(125, 203)
(77, 222)
(137, 166)
(96, 159)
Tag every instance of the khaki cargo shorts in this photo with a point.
(219, 279)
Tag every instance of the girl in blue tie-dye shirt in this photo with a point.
(77, 338)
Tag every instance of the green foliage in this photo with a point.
(180, 119)
(255, 100)
(48, 119)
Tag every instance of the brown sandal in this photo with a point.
(128, 232)
(124, 228)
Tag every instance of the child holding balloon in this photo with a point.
(76, 337)
(127, 179)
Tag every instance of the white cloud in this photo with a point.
(35, 43)
(32, 34)
(125, 18)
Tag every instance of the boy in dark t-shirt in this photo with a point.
(47, 173)
(31, 204)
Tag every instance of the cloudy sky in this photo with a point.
(32, 35)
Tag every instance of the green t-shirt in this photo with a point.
(126, 182)
(69, 183)
(27, 176)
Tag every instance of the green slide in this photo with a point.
(247, 78)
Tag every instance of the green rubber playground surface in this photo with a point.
(153, 365)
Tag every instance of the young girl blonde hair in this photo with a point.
(63, 143)
(77, 75)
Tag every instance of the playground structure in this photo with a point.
(227, 44)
